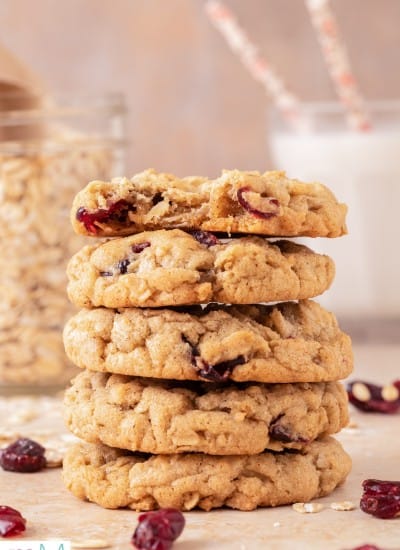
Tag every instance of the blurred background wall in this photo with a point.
(193, 108)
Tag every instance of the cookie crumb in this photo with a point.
(352, 428)
(343, 506)
(352, 425)
(25, 415)
(42, 434)
(307, 507)
(54, 458)
(69, 438)
(277, 524)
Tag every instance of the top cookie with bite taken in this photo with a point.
(267, 204)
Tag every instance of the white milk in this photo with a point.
(363, 170)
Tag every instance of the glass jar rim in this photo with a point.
(331, 107)
(336, 105)
(60, 106)
(60, 122)
(317, 113)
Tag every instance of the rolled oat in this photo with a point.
(343, 506)
(307, 507)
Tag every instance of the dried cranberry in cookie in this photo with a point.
(278, 430)
(219, 372)
(115, 212)
(256, 204)
(205, 237)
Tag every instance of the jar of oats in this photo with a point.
(48, 152)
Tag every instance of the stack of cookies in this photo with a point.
(196, 392)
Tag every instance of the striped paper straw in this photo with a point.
(338, 63)
(259, 68)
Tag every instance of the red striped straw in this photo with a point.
(259, 68)
(338, 63)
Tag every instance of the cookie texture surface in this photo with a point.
(160, 417)
(289, 342)
(245, 202)
(114, 478)
(171, 267)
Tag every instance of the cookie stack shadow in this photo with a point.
(195, 392)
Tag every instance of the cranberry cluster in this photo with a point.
(373, 398)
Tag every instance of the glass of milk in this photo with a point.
(363, 170)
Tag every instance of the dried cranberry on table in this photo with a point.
(11, 522)
(158, 530)
(373, 398)
(254, 203)
(24, 455)
(381, 498)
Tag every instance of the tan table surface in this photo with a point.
(374, 446)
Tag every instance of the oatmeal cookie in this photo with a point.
(166, 417)
(288, 342)
(244, 202)
(171, 267)
(114, 478)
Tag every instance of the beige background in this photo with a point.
(193, 108)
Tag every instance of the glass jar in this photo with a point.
(363, 170)
(48, 151)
